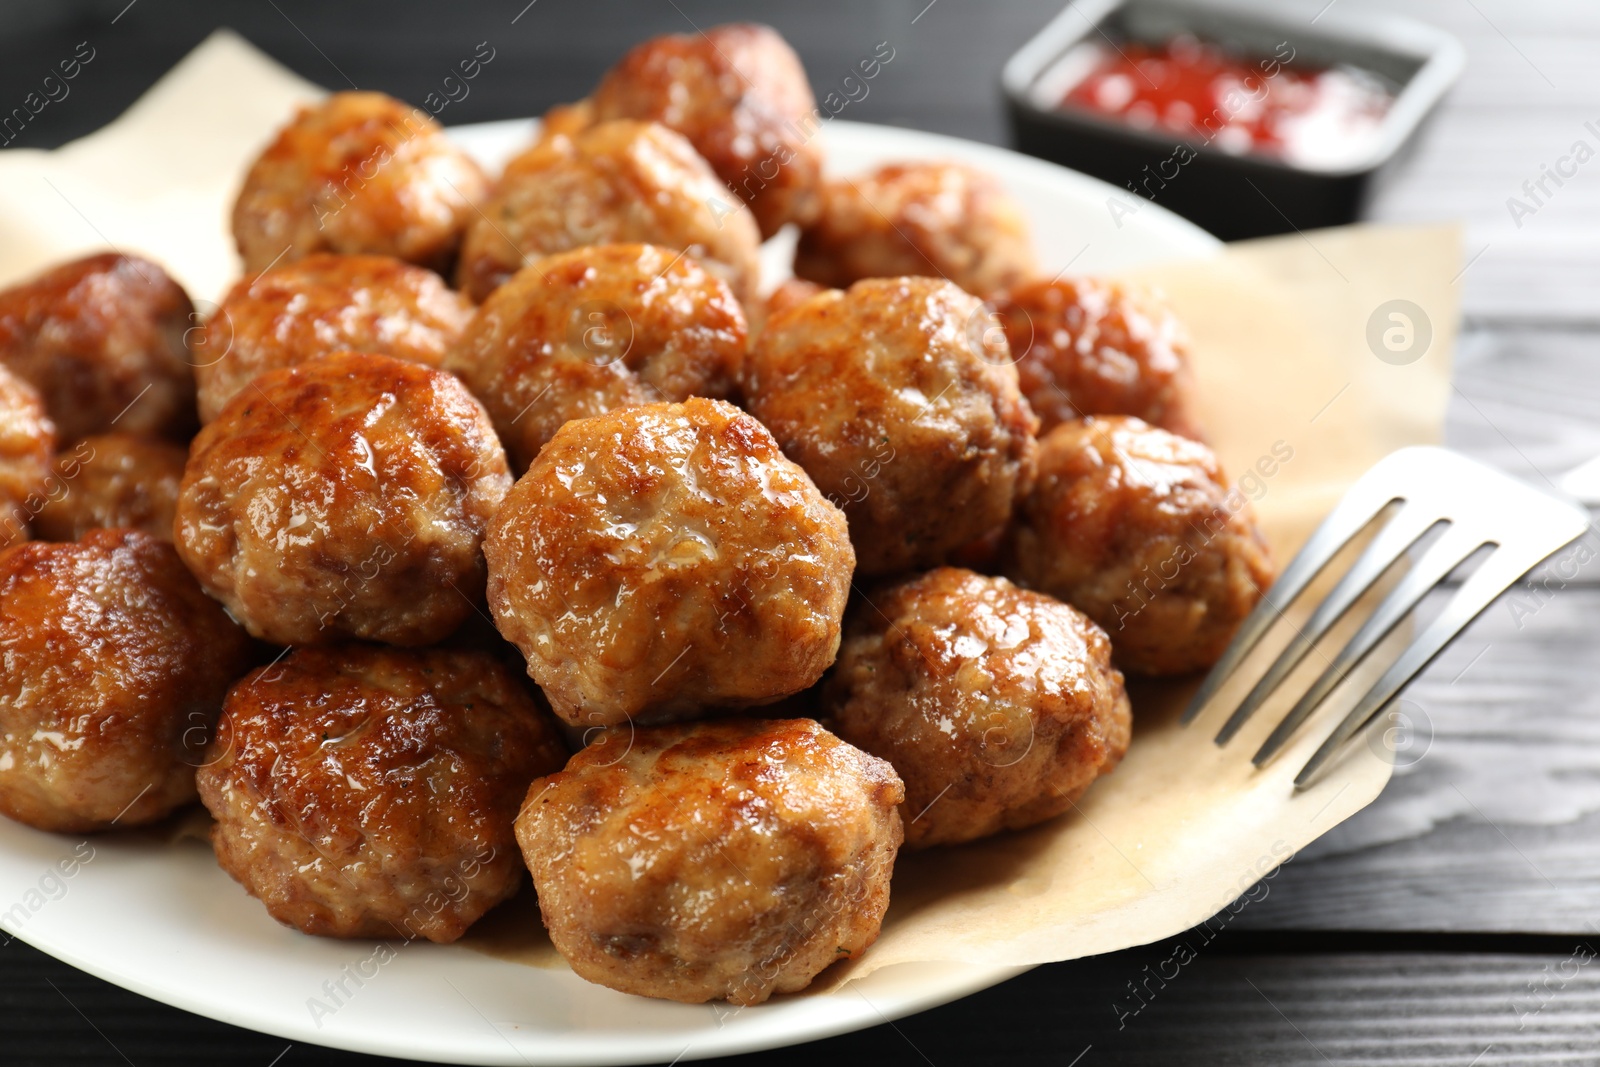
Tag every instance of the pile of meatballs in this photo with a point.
(798, 577)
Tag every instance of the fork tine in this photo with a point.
(1456, 544)
(1352, 515)
(1399, 534)
(1492, 578)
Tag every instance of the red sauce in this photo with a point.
(1314, 117)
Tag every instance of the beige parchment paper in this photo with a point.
(1284, 367)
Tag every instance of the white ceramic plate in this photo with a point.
(163, 920)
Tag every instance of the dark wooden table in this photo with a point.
(1455, 920)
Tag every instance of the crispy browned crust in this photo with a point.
(664, 560)
(724, 860)
(357, 173)
(362, 791)
(115, 667)
(1138, 528)
(903, 407)
(997, 706)
(344, 497)
(103, 339)
(321, 304)
(583, 332)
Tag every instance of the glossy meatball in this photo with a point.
(27, 440)
(1085, 346)
(663, 560)
(613, 183)
(362, 791)
(115, 667)
(997, 706)
(903, 414)
(740, 95)
(586, 331)
(941, 219)
(1138, 528)
(725, 860)
(322, 304)
(358, 172)
(344, 497)
(114, 481)
(103, 339)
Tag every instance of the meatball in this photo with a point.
(586, 331)
(362, 791)
(116, 664)
(104, 340)
(726, 860)
(358, 172)
(321, 304)
(663, 560)
(1085, 346)
(790, 291)
(904, 415)
(1138, 528)
(997, 706)
(114, 481)
(344, 497)
(740, 95)
(565, 120)
(27, 440)
(943, 219)
(615, 182)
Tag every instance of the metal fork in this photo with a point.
(1476, 505)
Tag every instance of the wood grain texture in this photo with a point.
(1176, 1003)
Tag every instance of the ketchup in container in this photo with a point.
(1320, 118)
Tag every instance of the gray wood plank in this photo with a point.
(1220, 1003)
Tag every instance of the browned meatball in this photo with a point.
(663, 560)
(27, 440)
(362, 791)
(616, 182)
(1138, 528)
(727, 860)
(790, 291)
(344, 497)
(565, 120)
(103, 339)
(115, 667)
(322, 304)
(997, 706)
(943, 219)
(359, 172)
(114, 481)
(903, 414)
(597, 328)
(1085, 346)
(740, 95)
